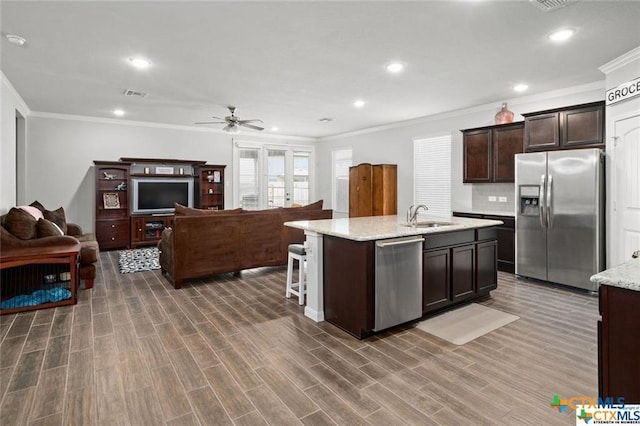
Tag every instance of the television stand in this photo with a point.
(147, 229)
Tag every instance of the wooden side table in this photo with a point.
(26, 270)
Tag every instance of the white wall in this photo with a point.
(62, 150)
(394, 143)
(10, 102)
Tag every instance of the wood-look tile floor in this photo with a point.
(232, 350)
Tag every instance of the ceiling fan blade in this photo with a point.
(250, 126)
(249, 121)
(210, 122)
(216, 118)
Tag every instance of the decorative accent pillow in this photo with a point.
(38, 206)
(314, 206)
(46, 228)
(57, 217)
(20, 224)
(37, 214)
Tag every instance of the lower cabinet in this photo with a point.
(146, 230)
(618, 349)
(460, 268)
(112, 233)
(506, 239)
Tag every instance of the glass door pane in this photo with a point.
(301, 178)
(277, 193)
(249, 185)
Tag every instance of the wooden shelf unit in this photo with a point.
(112, 224)
(209, 185)
(146, 230)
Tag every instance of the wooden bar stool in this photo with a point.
(296, 252)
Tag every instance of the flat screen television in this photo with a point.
(157, 195)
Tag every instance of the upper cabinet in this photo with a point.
(578, 126)
(489, 152)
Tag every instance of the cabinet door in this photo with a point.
(360, 187)
(463, 272)
(507, 142)
(542, 132)
(487, 273)
(477, 156)
(137, 229)
(384, 189)
(583, 126)
(112, 233)
(436, 282)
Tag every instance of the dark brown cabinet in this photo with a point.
(578, 126)
(506, 236)
(373, 190)
(618, 348)
(112, 204)
(210, 187)
(489, 152)
(458, 266)
(146, 230)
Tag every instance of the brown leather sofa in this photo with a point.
(205, 243)
(88, 244)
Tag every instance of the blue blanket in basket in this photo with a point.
(38, 297)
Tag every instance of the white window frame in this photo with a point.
(432, 174)
(262, 168)
(334, 179)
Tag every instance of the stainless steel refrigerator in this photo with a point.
(560, 216)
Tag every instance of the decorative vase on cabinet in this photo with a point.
(504, 116)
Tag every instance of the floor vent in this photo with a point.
(129, 92)
(551, 5)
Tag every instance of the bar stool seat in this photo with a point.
(299, 253)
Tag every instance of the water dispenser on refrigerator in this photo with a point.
(529, 200)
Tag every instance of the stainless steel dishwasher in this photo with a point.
(398, 281)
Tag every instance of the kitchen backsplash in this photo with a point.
(481, 193)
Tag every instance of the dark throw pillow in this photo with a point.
(20, 224)
(46, 228)
(57, 217)
(38, 206)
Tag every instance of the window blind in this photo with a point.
(432, 174)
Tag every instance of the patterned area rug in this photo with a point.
(145, 259)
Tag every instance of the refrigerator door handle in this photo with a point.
(543, 191)
(550, 201)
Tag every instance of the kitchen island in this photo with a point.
(457, 263)
(618, 331)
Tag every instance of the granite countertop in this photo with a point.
(383, 227)
(487, 212)
(625, 275)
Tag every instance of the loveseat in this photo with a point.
(22, 228)
(205, 242)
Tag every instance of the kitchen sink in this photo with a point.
(427, 224)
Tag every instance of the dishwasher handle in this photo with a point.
(384, 243)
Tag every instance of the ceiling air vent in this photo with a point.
(551, 5)
(129, 92)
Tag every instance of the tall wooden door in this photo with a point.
(360, 190)
(385, 188)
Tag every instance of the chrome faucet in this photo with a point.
(412, 214)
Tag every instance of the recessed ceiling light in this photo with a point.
(140, 63)
(520, 87)
(395, 67)
(16, 39)
(118, 112)
(359, 103)
(562, 35)
(275, 129)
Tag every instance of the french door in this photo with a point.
(270, 176)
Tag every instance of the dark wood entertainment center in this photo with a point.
(117, 223)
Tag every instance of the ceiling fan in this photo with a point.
(232, 122)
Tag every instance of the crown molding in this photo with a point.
(621, 61)
(23, 105)
(596, 85)
(85, 118)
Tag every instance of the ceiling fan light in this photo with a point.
(231, 129)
